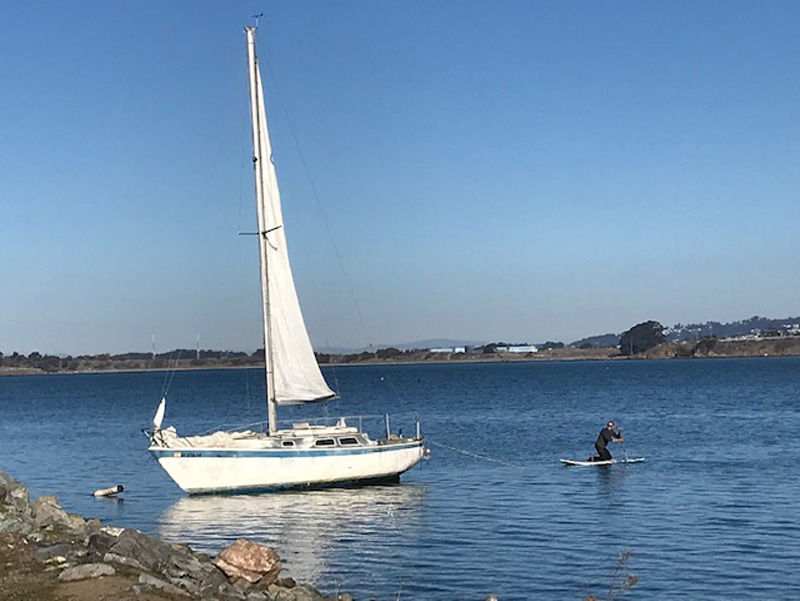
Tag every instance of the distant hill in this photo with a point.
(601, 341)
(736, 329)
(405, 346)
(755, 326)
(768, 344)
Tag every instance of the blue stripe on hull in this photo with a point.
(159, 452)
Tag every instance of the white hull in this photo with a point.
(215, 470)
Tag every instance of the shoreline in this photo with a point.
(49, 554)
(703, 349)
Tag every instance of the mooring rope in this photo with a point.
(474, 455)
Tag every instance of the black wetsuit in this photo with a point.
(603, 439)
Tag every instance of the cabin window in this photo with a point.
(325, 442)
(349, 441)
(288, 443)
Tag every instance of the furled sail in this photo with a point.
(296, 375)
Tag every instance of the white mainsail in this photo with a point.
(291, 365)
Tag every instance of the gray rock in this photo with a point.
(57, 564)
(123, 561)
(4, 486)
(284, 595)
(14, 494)
(47, 515)
(148, 551)
(15, 522)
(187, 585)
(35, 536)
(193, 571)
(210, 581)
(242, 585)
(48, 552)
(15, 511)
(306, 592)
(183, 563)
(158, 584)
(76, 523)
(101, 542)
(86, 570)
(228, 591)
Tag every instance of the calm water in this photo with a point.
(712, 514)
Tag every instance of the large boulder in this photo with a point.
(148, 551)
(251, 561)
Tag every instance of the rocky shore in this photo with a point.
(49, 554)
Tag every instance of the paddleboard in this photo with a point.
(569, 462)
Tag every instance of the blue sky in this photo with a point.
(477, 170)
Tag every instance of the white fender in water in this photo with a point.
(107, 492)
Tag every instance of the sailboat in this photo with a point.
(304, 454)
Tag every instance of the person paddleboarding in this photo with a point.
(607, 434)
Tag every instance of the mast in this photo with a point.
(258, 155)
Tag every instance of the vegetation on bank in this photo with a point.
(35, 363)
(128, 361)
(757, 336)
(641, 337)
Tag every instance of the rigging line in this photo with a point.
(241, 193)
(170, 375)
(165, 383)
(332, 366)
(396, 392)
(245, 166)
(474, 455)
(165, 386)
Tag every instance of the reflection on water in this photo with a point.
(308, 528)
